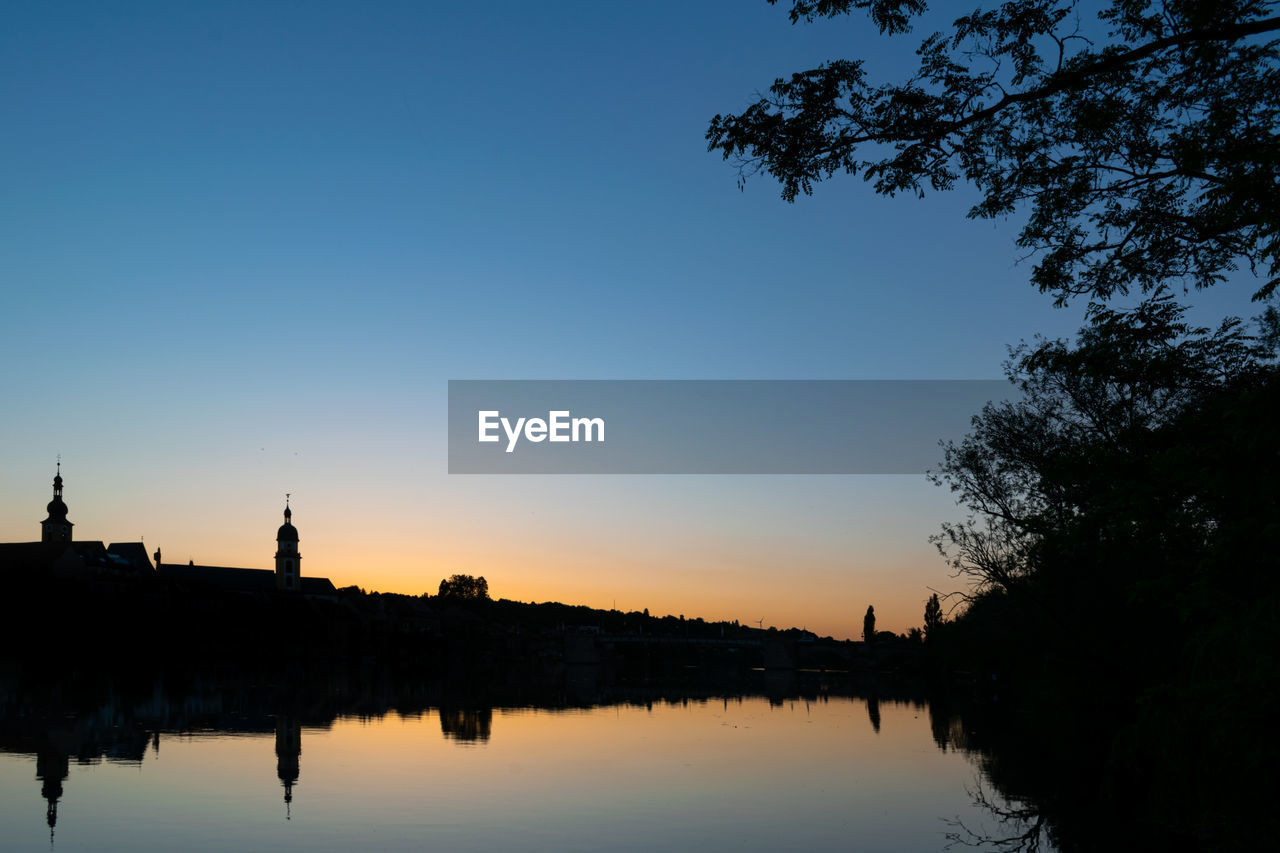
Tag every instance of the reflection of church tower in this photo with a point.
(288, 560)
(56, 528)
(51, 768)
(288, 748)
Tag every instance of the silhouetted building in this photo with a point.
(129, 557)
(33, 559)
(287, 575)
(288, 560)
(56, 528)
(57, 553)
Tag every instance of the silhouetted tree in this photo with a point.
(1145, 144)
(1122, 530)
(932, 615)
(1066, 451)
(465, 588)
(869, 625)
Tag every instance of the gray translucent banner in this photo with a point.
(709, 426)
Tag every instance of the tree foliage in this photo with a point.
(932, 615)
(1097, 442)
(1144, 153)
(869, 625)
(465, 588)
(1122, 535)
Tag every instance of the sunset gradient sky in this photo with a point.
(243, 247)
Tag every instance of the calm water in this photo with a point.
(746, 773)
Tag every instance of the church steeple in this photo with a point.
(288, 560)
(56, 529)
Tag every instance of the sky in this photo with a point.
(244, 247)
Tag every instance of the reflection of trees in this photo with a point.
(940, 724)
(466, 724)
(946, 726)
(1044, 781)
(114, 723)
(1020, 826)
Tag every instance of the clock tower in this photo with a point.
(56, 530)
(288, 560)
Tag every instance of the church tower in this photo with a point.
(56, 529)
(288, 560)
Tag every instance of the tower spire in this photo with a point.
(288, 560)
(56, 528)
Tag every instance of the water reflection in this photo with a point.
(55, 740)
(52, 768)
(466, 724)
(1009, 827)
(288, 749)
(781, 759)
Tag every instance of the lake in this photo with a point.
(344, 767)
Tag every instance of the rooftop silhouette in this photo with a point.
(58, 554)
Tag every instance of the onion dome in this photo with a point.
(287, 532)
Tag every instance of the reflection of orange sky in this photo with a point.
(726, 738)
(565, 738)
(804, 552)
(673, 772)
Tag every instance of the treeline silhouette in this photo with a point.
(1122, 585)
(145, 624)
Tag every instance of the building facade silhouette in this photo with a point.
(58, 554)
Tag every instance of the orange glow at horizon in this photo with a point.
(794, 552)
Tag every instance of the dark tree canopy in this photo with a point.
(1146, 155)
(1122, 530)
(1074, 455)
(465, 587)
(932, 615)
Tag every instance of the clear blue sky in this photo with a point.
(244, 245)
